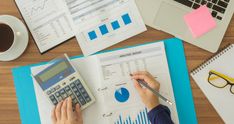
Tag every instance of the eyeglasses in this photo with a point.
(220, 80)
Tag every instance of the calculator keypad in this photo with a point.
(53, 99)
(75, 90)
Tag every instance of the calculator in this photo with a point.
(61, 80)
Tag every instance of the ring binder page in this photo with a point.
(215, 77)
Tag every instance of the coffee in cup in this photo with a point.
(6, 37)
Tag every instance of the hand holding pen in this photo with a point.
(149, 94)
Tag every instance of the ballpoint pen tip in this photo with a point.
(169, 102)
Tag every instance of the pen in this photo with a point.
(154, 91)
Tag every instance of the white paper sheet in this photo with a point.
(99, 24)
(48, 21)
(115, 69)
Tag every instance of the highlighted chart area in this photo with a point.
(110, 27)
(122, 95)
(141, 118)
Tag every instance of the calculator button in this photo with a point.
(82, 101)
(72, 85)
(72, 78)
(62, 91)
(59, 99)
(74, 101)
(52, 90)
(68, 90)
(53, 99)
(72, 96)
(48, 92)
(77, 93)
(85, 95)
(77, 82)
(88, 99)
(83, 91)
(57, 94)
(64, 96)
(54, 102)
(57, 87)
(75, 89)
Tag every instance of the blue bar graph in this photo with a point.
(115, 25)
(92, 35)
(103, 29)
(126, 18)
(106, 28)
(141, 118)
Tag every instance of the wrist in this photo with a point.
(152, 106)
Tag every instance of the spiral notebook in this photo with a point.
(215, 77)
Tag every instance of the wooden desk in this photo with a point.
(9, 113)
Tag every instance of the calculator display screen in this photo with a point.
(54, 74)
(53, 71)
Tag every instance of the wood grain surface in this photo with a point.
(9, 113)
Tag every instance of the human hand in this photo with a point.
(147, 96)
(64, 114)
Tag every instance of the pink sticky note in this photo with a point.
(200, 21)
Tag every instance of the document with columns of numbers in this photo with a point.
(97, 24)
(107, 76)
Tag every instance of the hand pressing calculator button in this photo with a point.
(61, 80)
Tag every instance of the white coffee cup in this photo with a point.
(15, 35)
(20, 38)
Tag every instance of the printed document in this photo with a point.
(97, 24)
(47, 20)
(102, 23)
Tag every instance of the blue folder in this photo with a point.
(179, 75)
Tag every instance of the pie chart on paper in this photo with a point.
(122, 95)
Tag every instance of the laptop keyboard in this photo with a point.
(217, 7)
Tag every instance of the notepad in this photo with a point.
(208, 79)
(200, 21)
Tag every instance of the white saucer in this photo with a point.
(21, 38)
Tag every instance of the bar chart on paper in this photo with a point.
(109, 27)
(141, 118)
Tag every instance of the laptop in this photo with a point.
(168, 16)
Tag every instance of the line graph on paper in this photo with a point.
(39, 9)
